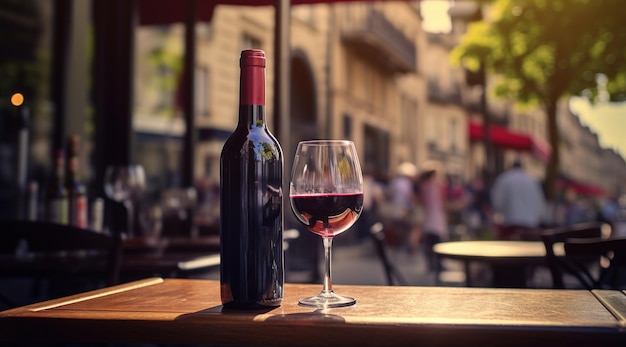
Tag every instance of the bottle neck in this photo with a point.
(71, 162)
(252, 96)
(252, 116)
(71, 172)
(59, 171)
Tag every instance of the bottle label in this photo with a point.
(57, 211)
(97, 214)
(79, 215)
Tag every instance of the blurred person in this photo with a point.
(432, 197)
(478, 209)
(402, 209)
(373, 196)
(518, 199)
(619, 219)
(573, 209)
(608, 210)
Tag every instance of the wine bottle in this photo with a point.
(76, 191)
(56, 194)
(251, 217)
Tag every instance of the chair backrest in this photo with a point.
(562, 264)
(44, 238)
(612, 253)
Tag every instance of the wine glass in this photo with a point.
(326, 194)
(124, 184)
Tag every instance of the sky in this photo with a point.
(608, 120)
(435, 14)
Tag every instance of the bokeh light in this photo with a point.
(17, 99)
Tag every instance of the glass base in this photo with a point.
(327, 300)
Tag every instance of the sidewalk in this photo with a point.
(360, 264)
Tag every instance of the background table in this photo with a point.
(509, 260)
(188, 311)
(35, 277)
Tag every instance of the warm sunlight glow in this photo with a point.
(435, 16)
(608, 120)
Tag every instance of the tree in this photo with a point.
(545, 50)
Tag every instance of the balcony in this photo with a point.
(443, 95)
(376, 38)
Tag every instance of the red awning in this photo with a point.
(505, 138)
(580, 187)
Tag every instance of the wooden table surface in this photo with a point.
(188, 311)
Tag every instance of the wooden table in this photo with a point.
(509, 260)
(188, 311)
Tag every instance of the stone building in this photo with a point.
(354, 74)
(367, 72)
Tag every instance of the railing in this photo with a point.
(372, 34)
(437, 93)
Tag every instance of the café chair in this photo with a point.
(564, 264)
(391, 272)
(48, 251)
(611, 255)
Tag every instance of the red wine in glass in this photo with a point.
(327, 214)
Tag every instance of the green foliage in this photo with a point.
(546, 50)
(166, 63)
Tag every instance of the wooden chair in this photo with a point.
(566, 264)
(610, 253)
(42, 250)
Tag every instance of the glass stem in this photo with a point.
(328, 282)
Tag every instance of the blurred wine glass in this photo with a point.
(151, 222)
(124, 184)
(179, 209)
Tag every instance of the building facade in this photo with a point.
(370, 73)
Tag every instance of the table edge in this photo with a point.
(49, 304)
(614, 301)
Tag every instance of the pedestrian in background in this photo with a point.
(401, 210)
(519, 201)
(432, 190)
(478, 210)
(373, 197)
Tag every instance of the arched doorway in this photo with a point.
(303, 255)
(303, 101)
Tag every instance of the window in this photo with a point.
(408, 120)
(303, 13)
(202, 90)
(376, 158)
(453, 135)
(431, 132)
(249, 42)
(347, 126)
